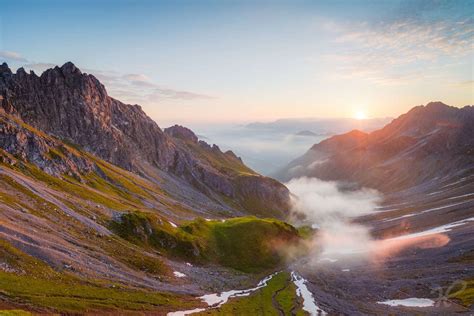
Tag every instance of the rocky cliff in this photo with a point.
(74, 107)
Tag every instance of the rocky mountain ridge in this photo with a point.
(425, 143)
(74, 107)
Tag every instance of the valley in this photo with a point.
(102, 211)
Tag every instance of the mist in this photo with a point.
(331, 208)
(267, 147)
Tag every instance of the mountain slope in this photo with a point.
(94, 237)
(100, 208)
(75, 107)
(423, 162)
(426, 143)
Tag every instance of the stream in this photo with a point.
(218, 299)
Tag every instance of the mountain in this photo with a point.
(74, 107)
(421, 165)
(319, 126)
(101, 211)
(428, 142)
(306, 133)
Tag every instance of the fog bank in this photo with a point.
(331, 208)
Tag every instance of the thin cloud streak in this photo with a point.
(12, 56)
(398, 52)
(132, 88)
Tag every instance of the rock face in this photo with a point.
(18, 142)
(426, 143)
(75, 107)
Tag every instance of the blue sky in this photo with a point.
(234, 61)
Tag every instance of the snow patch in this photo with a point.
(436, 230)
(216, 300)
(179, 274)
(460, 196)
(309, 304)
(410, 302)
(427, 211)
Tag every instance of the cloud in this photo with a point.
(39, 67)
(400, 51)
(130, 87)
(156, 92)
(12, 56)
(140, 80)
(136, 77)
(177, 94)
(325, 200)
(332, 209)
(139, 88)
(466, 84)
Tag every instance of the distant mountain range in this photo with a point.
(320, 126)
(268, 146)
(428, 142)
(306, 133)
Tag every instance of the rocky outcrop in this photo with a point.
(181, 132)
(74, 106)
(227, 173)
(20, 143)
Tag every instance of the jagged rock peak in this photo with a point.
(230, 153)
(5, 69)
(357, 133)
(181, 132)
(437, 104)
(21, 71)
(70, 68)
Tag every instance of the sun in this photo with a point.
(360, 115)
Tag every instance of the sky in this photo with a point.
(243, 61)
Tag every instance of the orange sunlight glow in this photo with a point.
(391, 247)
(360, 115)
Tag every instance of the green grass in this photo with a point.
(247, 244)
(37, 284)
(466, 296)
(219, 161)
(71, 186)
(134, 257)
(109, 185)
(69, 295)
(24, 197)
(280, 293)
(14, 312)
(250, 244)
(23, 263)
